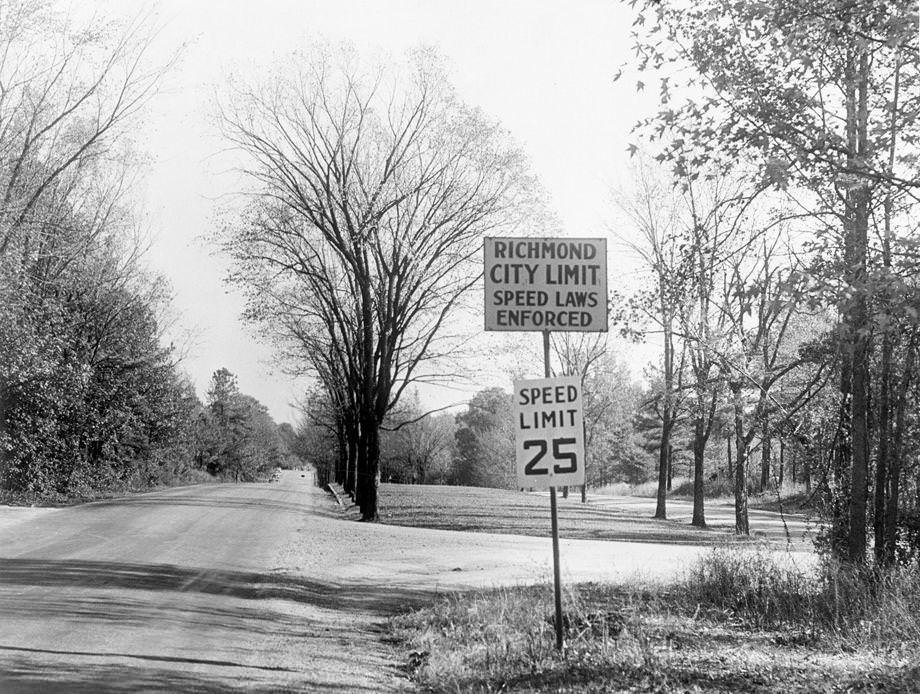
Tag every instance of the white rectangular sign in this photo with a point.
(549, 436)
(536, 284)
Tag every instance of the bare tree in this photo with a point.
(653, 213)
(373, 189)
(766, 323)
(66, 95)
(578, 354)
(718, 209)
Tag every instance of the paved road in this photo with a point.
(193, 589)
(259, 587)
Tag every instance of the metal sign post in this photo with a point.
(557, 575)
(549, 446)
(546, 284)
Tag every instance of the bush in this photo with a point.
(752, 583)
(504, 640)
(712, 489)
(850, 606)
(707, 633)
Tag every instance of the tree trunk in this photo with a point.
(341, 459)
(369, 468)
(881, 464)
(699, 451)
(782, 462)
(730, 468)
(351, 471)
(894, 474)
(667, 419)
(369, 455)
(670, 466)
(741, 499)
(806, 472)
(857, 200)
(765, 451)
(664, 477)
(886, 475)
(421, 472)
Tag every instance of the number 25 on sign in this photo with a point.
(549, 434)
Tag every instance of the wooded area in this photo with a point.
(774, 213)
(92, 398)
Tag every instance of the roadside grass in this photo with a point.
(741, 620)
(646, 490)
(790, 496)
(479, 509)
(682, 488)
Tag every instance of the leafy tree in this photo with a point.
(613, 450)
(820, 97)
(242, 440)
(320, 439)
(90, 398)
(485, 441)
(416, 446)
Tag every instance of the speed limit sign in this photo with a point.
(549, 434)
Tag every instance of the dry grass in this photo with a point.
(740, 622)
(646, 490)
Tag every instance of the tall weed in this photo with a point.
(850, 606)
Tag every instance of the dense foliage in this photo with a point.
(802, 317)
(91, 396)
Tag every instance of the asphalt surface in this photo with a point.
(250, 587)
(192, 589)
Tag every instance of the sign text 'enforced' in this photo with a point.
(549, 435)
(555, 284)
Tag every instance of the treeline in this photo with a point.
(91, 397)
(475, 446)
(774, 215)
(781, 246)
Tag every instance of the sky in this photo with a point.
(543, 69)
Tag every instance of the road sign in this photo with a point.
(549, 435)
(555, 284)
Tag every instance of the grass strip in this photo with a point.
(740, 621)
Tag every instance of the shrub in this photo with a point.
(752, 583)
(850, 606)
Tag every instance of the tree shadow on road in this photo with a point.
(363, 597)
(111, 598)
(252, 501)
(41, 676)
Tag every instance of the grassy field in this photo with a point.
(503, 511)
(739, 623)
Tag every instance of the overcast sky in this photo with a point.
(544, 69)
